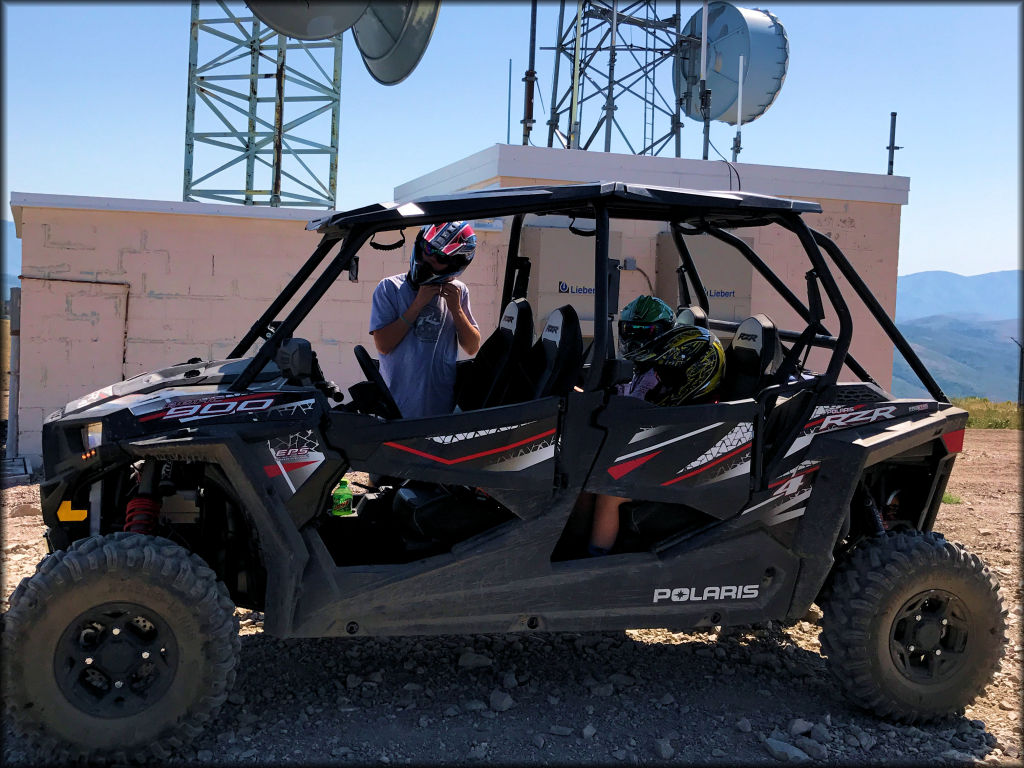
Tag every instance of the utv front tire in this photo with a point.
(913, 626)
(124, 646)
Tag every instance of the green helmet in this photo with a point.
(689, 363)
(640, 321)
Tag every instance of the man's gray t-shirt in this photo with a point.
(420, 371)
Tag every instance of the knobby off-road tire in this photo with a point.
(913, 627)
(124, 647)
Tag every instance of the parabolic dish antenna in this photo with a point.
(759, 38)
(392, 36)
(308, 19)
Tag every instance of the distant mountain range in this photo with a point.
(992, 296)
(962, 328)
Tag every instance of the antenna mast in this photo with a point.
(892, 139)
(614, 50)
(287, 143)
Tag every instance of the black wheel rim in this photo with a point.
(116, 660)
(929, 634)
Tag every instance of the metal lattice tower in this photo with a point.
(613, 51)
(262, 116)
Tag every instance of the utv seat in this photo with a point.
(557, 356)
(752, 357)
(500, 362)
(692, 316)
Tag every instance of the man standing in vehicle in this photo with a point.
(419, 320)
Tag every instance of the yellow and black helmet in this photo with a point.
(689, 362)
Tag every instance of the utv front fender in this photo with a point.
(282, 549)
(844, 456)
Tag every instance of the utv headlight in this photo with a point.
(92, 435)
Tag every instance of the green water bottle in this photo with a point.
(342, 499)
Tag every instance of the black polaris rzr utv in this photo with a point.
(177, 495)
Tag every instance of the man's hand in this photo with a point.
(452, 297)
(424, 296)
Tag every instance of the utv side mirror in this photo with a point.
(295, 359)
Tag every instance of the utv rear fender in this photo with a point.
(845, 456)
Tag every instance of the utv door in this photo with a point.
(509, 447)
(695, 455)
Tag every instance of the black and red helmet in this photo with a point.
(451, 244)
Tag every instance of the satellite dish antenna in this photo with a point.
(392, 36)
(308, 19)
(759, 38)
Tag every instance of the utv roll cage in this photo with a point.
(688, 212)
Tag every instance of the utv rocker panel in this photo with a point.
(475, 592)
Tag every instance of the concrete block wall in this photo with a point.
(868, 235)
(112, 289)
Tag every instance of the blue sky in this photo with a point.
(94, 104)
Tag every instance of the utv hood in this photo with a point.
(211, 375)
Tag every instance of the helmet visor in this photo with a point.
(437, 254)
(630, 330)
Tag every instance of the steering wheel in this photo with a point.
(391, 410)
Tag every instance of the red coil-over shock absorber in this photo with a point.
(142, 512)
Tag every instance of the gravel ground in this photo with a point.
(754, 695)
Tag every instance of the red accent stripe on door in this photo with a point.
(628, 466)
(449, 462)
(698, 470)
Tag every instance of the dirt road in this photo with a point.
(759, 696)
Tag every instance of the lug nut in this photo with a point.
(145, 654)
(910, 648)
(88, 660)
(918, 617)
(938, 651)
(118, 684)
(945, 622)
(115, 631)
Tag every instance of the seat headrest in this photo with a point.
(692, 316)
(558, 320)
(558, 353)
(510, 317)
(758, 335)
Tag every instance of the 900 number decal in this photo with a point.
(221, 408)
(193, 410)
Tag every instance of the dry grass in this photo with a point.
(984, 414)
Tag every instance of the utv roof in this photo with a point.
(623, 200)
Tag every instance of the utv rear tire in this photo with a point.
(913, 626)
(123, 647)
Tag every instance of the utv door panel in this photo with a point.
(698, 455)
(510, 446)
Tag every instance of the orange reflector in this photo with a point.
(954, 441)
(68, 515)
